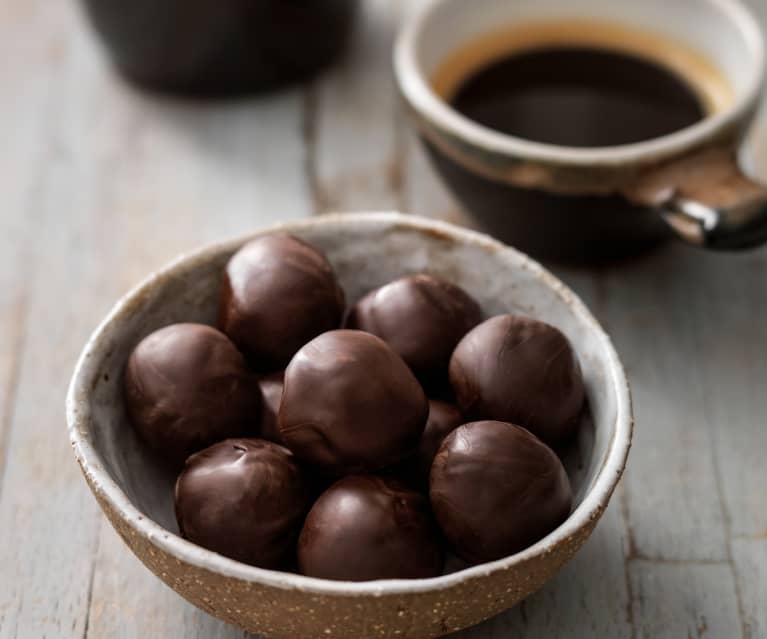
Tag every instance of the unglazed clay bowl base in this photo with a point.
(367, 250)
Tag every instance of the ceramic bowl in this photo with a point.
(366, 250)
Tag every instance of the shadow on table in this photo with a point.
(246, 136)
(589, 596)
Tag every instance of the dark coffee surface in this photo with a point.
(578, 97)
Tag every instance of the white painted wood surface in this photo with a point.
(100, 184)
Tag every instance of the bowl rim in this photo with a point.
(105, 488)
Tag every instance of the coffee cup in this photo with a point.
(593, 202)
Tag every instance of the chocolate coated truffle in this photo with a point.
(278, 293)
(519, 370)
(366, 527)
(443, 420)
(496, 489)
(422, 318)
(243, 498)
(350, 404)
(271, 393)
(187, 386)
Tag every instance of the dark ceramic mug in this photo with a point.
(214, 47)
(588, 204)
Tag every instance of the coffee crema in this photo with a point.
(582, 84)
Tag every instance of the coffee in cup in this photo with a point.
(581, 84)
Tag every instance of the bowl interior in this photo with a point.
(366, 253)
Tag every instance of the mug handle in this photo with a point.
(707, 200)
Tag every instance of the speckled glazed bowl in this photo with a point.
(366, 250)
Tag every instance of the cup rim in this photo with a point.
(419, 94)
(106, 489)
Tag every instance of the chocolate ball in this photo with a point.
(496, 489)
(443, 419)
(271, 393)
(422, 318)
(278, 293)
(517, 369)
(243, 498)
(350, 404)
(366, 527)
(187, 386)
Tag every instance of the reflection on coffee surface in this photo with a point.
(581, 84)
(579, 97)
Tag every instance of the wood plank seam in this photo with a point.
(91, 579)
(309, 132)
(5, 614)
(399, 163)
(663, 561)
(600, 306)
(627, 557)
(19, 339)
(755, 537)
(693, 601)
(726, 518)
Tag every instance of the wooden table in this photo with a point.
(99, 185)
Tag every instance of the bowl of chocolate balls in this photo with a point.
(360, 425)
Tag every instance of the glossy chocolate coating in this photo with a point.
(243, 498)
(517, 369)
(366, 527)
(278, 293)
(350, 404)
(271, 394)
(496, 489)
(443, 419)
(422, 318)
(186, 387)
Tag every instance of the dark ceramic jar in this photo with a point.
(214, 47)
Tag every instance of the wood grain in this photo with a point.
(674, 506)
(44, 590)
(23, 151)
(356, 155)
(125, 183)
(732, 365)
(423, 191)
(589, 598)
(131, 603)
(750, 556)
(676, 600)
